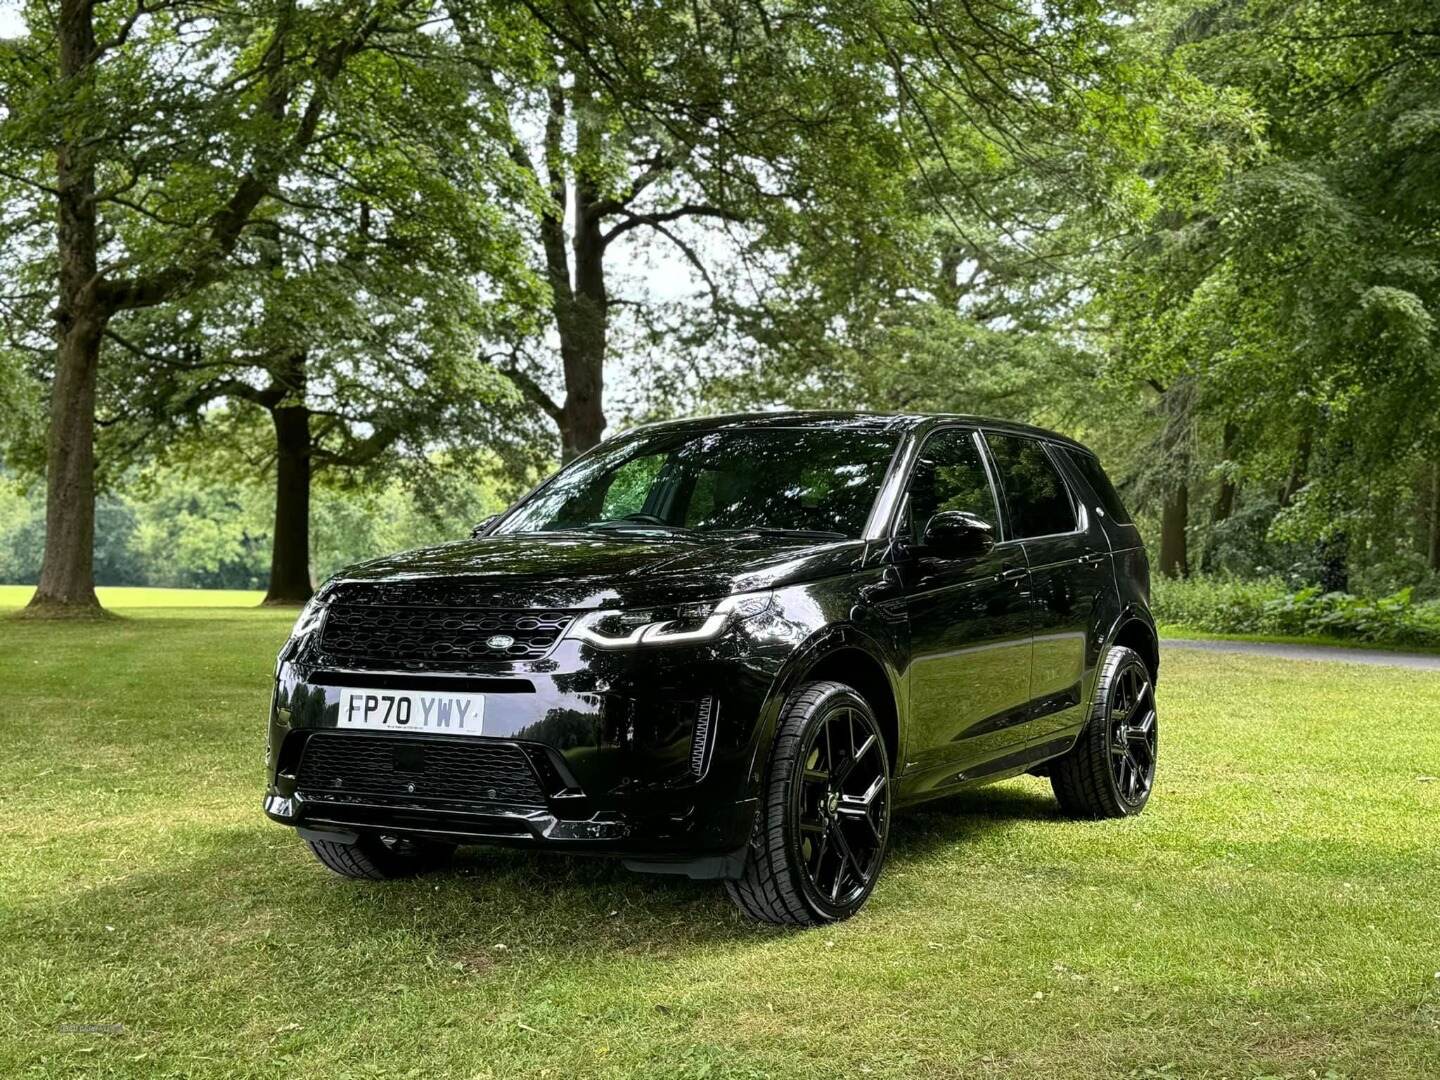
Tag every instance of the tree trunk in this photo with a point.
(290, 557)
(1174, 518)
(583, 335)
(67, 573)
(1225, 496)
(585, 322)
(1334, 554)
(1299, 468)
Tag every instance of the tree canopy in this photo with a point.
(360, 245)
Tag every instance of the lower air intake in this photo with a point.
(334, 764)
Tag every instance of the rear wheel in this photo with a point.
(376, 858)
(821, 830)
(1111, 769)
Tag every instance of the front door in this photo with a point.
(969, 672)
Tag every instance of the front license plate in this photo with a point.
(412, 710)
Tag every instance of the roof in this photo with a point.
(853, 420)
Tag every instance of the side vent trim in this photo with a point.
(700, 746)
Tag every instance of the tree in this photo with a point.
(361, 371)
(761, 141)
(355, 331)
(157, 135)
(1291, 271)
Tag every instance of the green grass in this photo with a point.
(125, 596)
(1272, 913)
(1178, 630)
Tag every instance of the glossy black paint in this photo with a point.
(978, 665)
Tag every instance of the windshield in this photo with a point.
(802, 480)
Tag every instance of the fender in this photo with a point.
(809, 655)
(1133, 613)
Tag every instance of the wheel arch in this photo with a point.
(847, 656)
(1137, 633)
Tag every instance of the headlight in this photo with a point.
(311, 616)
(689, 624)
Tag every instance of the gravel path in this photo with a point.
(1333, 653)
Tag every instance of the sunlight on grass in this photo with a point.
(120, 597)
(1272, 913)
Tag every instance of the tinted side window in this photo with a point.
(949, 475)
(1037, 498)
(1088, 466)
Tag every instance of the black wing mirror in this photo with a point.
(484, 527)
(954, 534)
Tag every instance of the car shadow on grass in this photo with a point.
(559, 882)
(248, 892)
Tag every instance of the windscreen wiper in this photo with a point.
(771, 530)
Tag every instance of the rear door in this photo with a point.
(969, 672)
(1069, 565)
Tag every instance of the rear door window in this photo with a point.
(1035, 494)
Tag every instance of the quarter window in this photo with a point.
(1089, 467)
(950, 475)
(1038, 501)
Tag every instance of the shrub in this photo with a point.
(1227, 606)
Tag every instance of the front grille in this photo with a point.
(449, 638)
(350, 765)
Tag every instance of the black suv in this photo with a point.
(730, 648)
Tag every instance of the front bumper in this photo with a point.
(652, 755)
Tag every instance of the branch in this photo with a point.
(655, 221)
(532, 391)
(227, 224)
(363, 452)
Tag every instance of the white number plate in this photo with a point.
(412, 710)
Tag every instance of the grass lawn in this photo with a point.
(1273, 913)
(1178, 630)
(124, 596)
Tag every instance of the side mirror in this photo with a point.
(484, 527)
(955, 534)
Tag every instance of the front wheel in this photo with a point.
(1111, 769)
(821, 829)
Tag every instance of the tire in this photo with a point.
(378, 858)
(821, 829)
(1110, 771)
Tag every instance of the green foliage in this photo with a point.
(191, 527)
(1232, 606)
(1288, 287)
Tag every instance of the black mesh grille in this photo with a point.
(452, 638)
(336, 764)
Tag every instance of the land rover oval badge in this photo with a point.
(499, 642)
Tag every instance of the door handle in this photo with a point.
(1012, 574)
(1093, 557)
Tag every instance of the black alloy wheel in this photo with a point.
(821, 831)
(841, 806)
(1110, 771)
(1133, 734)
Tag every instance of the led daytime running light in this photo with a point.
(742, 605)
